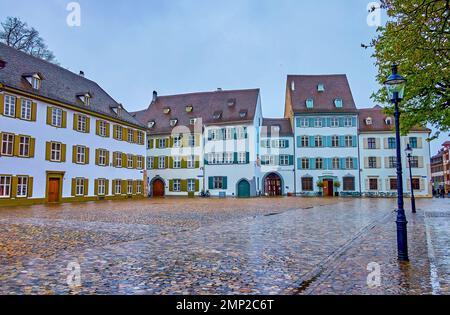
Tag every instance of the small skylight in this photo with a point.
(388, 121)
(369, 121)
(231, 102)
(173, 122)
(189, 108)
(339, 103)
(243, 113)
(151, 124)
(320, 87)
(310, 103)
(166, 110)
(217, 115)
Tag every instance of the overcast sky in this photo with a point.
(176, 46)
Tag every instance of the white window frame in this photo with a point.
(317, 163)
(240, 133)
(162, 143)
(176, 162)
(55, 151)
(318, 123)
(304, 122)
(9, 105)
(22, 187)
(119, 131)
(150, 160)
(335, 163)
(82, 123)
(349, 141)
(102, 157)
(191, 141)
(217, 182)
(305, 141)
(129, 187)
(57, 114)
(25, 109)
(242, 157)
(191, 185)
(176, 185)
(118, 159)
(139, 162)
(334, 122)
(7, 144)
(24, 146)
(81, 154)
(335, 141)
(228, 134)
(177, 141)
(79, 186)
(5, 186)
(101, 187)
(318, 141)
(284, 160)
(138, 187)
(162, 162)
(348, 122)
(130, 135)
(130, 163)
(118, 187)
(305, 164)
(140, 136)
(190, 163)
(349, 163)
(102, 128)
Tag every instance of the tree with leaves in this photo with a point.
(417, 37)
(18, 35)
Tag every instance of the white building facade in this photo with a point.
(378, 156)
(63, 146)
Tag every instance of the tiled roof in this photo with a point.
(378, 118)
(214, 108)
(58, 84)
(300, 88)
(283, 123)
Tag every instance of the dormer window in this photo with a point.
(310, 103)
(338, 103)
(388, 121)
(368, 121)
(231, 102)
(243, 113)
(173, 122)
(151, 124)
(189, 109)
(34, 79)
(276, 128)
(85, 98)
(166, 111)
(320, 87)
(217, 115)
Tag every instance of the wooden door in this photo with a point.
(328, 188)
(53, 190)
(244, 189)
(158, 188)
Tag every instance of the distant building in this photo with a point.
(437, 171)
(378, 155)
(446, 162)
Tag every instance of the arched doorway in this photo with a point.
(273, 185)
(243, 189)
(158, 188)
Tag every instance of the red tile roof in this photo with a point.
(283, 123)
(300, 88)
(378, 120)
(231, 104)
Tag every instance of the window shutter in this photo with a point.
(49, 115)
(74, 186)
(171, 185)
(422, 184)
(342, 141)
(386, 162)
(97, 156)
(183, 162)
(18, 107)
(157, 143)
(106, 187)
(365, 143)
(124, 160)
(355, 163)
(366, 162)
(14, 181)
(64, 119)
(88, 124)
(377, 143)
(63, 152)
(16, 145)
(74, 154)
(30, 187)
(209, 135)
(115, 132)
(86, 160)
(312, 142)
(47, 151)
(134, 187)
(2, 104)
(32, 147)
(225, 182)
(247, 157)
(107, 125)
(386, 143)
(312, 163)
(291, 160)
(378, 162)
(197, 140)
(75, 122)
(171, 142)
(155, 162)
(95, 187)
(419, 143)
(420, 162)
(197, 162)
(113, 187)
(33, 111)
(124, 134)
(341, 122)
(124, 187)
(367, 184)
(311, 122)
(167, 162)
(151, 141)
(135, 161)
(114, 155)
(107, 158)
(235, 158)
(211, 182)
(197, 185)
(354, 122)
(184, 185)
(97, 127)
(355, 141)
(135, 136)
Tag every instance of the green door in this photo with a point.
(244, 189)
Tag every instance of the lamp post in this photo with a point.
(409, 151)
(395, 86)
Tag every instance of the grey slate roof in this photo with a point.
(283, 123)
(58, 84)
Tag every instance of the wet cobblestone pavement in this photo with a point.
(212, 246)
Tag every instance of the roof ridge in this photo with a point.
(209, 92)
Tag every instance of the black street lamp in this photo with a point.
(395, 86)
(409, 151)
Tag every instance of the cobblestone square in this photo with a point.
(223, 246)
